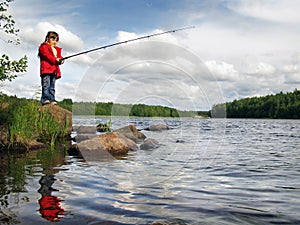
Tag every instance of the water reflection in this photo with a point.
(26, 185)
(50, 207)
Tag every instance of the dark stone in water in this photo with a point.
(150, 143)
(84, 136)
(84, 129)
(170, 222)
(158, 127)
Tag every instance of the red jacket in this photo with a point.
(48, 62)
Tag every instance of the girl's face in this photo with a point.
(52, 41)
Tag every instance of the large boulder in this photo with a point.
(63, 116)
(132, 133)
(117, 143)
(112, 143)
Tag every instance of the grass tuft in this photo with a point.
(31, 124)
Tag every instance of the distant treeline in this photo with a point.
(278, 106)
(138, 110)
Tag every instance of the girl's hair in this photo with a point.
(52, 34)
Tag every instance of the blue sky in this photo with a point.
(238, 49)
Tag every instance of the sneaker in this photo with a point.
(46, 102)
(54, 103)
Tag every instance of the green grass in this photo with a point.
(23, 128)
(31, 124)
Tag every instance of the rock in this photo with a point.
(112, 143)
(170, 222)
(85, 129)
(91, 150)
(132, 133)
(63, 116)
(36, 145)
(149, 143)
(158, 127)
(115, 142)
(84, 136)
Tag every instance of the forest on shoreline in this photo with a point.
(276, 106)
(134, 110)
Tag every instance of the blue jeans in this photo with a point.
(48, 87)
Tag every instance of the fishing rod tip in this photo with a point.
(190, 27)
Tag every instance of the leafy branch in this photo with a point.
(9, 68)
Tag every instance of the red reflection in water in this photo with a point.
(50, 207)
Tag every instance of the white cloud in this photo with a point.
(292, 78)
(21, 89)
(36, 35)
(291, 68)
(65, 90)
(134, 73)
(125, 36)
(291, 74)
(260, 69)
(150, 57)
(276, 10)
(222, 70)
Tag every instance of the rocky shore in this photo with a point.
(63, 123)
(88, 142)
(94, 146)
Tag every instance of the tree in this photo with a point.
(278, 106)
(9, 68)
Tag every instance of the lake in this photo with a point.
(206, 171)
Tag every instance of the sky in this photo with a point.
(237, 49)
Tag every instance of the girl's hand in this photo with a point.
(60, 61)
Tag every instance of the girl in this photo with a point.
(50, 59)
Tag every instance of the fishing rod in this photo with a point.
(123, 42)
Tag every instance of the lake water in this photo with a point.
(206, 171)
